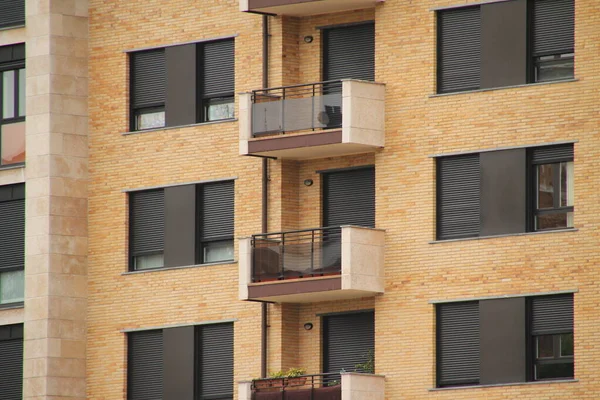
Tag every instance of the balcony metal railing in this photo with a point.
(305, 387)
(296, 254)
(313, 106)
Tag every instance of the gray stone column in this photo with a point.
(56, 205)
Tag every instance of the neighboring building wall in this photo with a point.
(56, 205)
(417, 126)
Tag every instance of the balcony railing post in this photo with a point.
(283, 111)
(312, 254)
(312, 109)
(282, 276)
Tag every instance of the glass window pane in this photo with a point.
(219, 108)
(566, 345)
(151, 120)
(553, 68)
(12, 145)
(566, 184)
(22, 93)
(545, 186)
(554, 371)
(545, 346)
(554, 221)
(218, 251)
(12, 286)
(8, 94)
(148, 262)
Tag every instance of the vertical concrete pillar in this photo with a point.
(56, 205)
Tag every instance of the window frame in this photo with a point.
(16, 66)
(203, 100)
(136, 111)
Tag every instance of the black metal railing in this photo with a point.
(304, 387)
(295, 108)
(296, 254)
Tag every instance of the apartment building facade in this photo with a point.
(398, 197)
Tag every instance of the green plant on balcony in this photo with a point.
(368, 366)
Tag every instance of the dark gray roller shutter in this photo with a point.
(11, 362)
(147, 222)
(12, 57)
(459, 49)
(216, 219)
(216, 361)
(458, 343)
(148, 78)
(458, 209)
(347, 340)
(349, 197)
(551, 314)
(349, 52)
(219, 68)
(553, 27)
(12, 13)
(552, 154)
(12, 234)
(145, 366)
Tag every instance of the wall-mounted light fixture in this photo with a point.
(308, 182)
(308, 39)
(308, 326)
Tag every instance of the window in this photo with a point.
(182, 85)
(181, 225)
(12, 13)
(492, 193)
(12, 110)
(12, 243)
(505, 340)
(505, 43)
(184, 362)
(11, 362)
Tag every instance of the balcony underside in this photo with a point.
(305, 290)
(307, 146)
(301, 8)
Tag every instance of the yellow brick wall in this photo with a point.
(417, 126)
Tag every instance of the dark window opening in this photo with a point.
(12, 105)
(148, 89)
(12, 13)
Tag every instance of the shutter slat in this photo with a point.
(348, 339)
(350, 53)
(147, 221)
(12, 13)
(216, 376)
(149, 78)
(553, 27)
(11, 368)
(145, 368)
(12, 234)
(219, 68)
(349, 198)
(552, 314)
(458, 343)
(217, 210)
(550, 154)
(459, 187)
(459, 49)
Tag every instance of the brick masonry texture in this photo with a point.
(417, 125)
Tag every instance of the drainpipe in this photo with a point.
(265, 194)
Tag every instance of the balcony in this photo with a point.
(301, 8)
(352, 386)
(312, 265)
(316, 120)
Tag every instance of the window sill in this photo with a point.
(12, 166)
(503, 87)
(9, 306)
(505, 384)
(181, 267)
(167, 128)
(505, 235)
(6, 28)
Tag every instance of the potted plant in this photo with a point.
(295, 377)
(368, 366)
(277, 379)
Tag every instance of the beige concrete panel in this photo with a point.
(36, 287)
(68, 206)
(37, 263)
(12, 36)
(73, 349)
(69, 187)
(9, 316)
(71, 66)
(69, 226)
(363, 387)
(36, 7)
(72, 285)
(363, 89)
(36, 367)
(245, 121)
(363, 118)
(34, 387)
(12, 176)
(37, 329)
(245, 267)
(36, 206)
(72, 367)
(244, 390)
(41, 348)
(64, 104)
(66, 387)
(37, 46)
(68, 25)
(37, 84)
(68, 46)
(38, 225)
(39, 104)
(73, 124)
